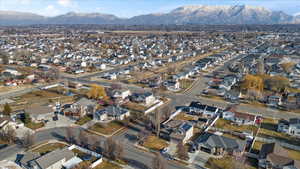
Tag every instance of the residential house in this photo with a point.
(240, 118)
(111, 113)
(220, 145)
(291, 127)
(122, 94)
(85, 106)
(274, 100)
(53, 160)
(172, 85)
(273, 156)
(182, 133)
(146, 98)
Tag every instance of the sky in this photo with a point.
(129, 8)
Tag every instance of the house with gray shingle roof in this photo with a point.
(53, 160)
(220, 145)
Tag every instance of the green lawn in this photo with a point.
(154, 143)
(83, 120)
(107, 165)
(49, 147)
(186, 117)
(134, 106)
(34, 126)
(108, 128)
(226, 163)
(226, 124)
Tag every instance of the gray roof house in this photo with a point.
(220, 145)
(111, 113)
(54, 159)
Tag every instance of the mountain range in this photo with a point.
(198, 14)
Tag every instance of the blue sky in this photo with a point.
(129, 8)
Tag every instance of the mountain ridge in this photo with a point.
(191, 14)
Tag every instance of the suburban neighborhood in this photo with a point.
(85, 96)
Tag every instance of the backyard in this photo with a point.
(227, 125)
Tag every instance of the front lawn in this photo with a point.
(185, 117)
(134, 106)
(49, 147)
(34, 126)
(83, 120)
(226, 163)
(154, 143)
(107, 165)
(185, 83)
(294, 154)
(257, 146)
(226, 125)
(108, 128)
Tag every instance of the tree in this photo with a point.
(4, 57)
(8, 134)
(69, 135)
(27, 118)
(158, 162)
(119, 151)
(83, 139)
(182, 152)
(97, 92)
(96, 145)
(166, 112)
(157, 121)
(276, 83)
(252, 83)
(7, 110)
(28, 140)
(110, 147)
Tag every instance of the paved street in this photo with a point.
(137, 158)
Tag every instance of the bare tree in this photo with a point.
(110, 147)
(119, 151)
(182, 152)
(28, 140)
(156, 121)
(4, 57)
(159, 162)
(8, 134)
(69, 135)
(83, 139)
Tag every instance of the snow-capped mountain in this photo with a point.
(198, 14)
(204, 14)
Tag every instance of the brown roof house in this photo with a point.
(273, 156)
